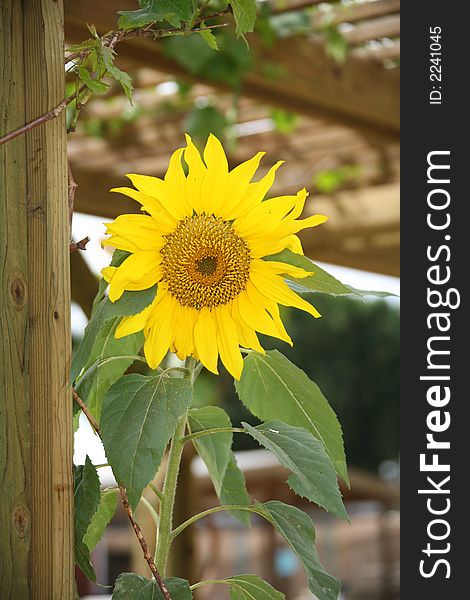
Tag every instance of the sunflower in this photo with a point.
(203, 240)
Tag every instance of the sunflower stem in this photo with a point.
(167, 501)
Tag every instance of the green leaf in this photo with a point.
(86, 496)
(139, 417)
(82, 559)
(272, 387)
(320, 281)
(103, 373)
(96, 86)
(297, 529)
(244, 12)
(313, 475)
(130, 586)
(101, 518)
(251, 587)
(86, 501)
(214, 449)
(155, 11)
(233, 491)
(200, 122)
(130, 303)
(209, 38)
(122, 77)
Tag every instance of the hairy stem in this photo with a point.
(167, 503)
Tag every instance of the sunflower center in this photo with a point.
(207, 265)
(204, 262)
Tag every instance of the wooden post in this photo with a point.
(36, 510)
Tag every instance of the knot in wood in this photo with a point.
(21, 521)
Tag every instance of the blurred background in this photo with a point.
(317, 87)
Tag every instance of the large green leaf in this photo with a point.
(130, 303)
(139, 417)
(214, 449)
(320, 281)
(271, 387)
(101, 518)
(233, 491)
(244, 12)
(313, 475)
(130, 586)
(297, 529)
(251, 587)
(86, 501)
(103, 373)
(155, 11)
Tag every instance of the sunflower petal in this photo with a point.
(274, 287)
(205, 340)
(159, 336)
(138, 272)
(133, 323)
(227, 341)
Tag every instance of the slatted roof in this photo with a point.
(348, 120)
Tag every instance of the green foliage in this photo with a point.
(101, 518)
(297, 529)
(320, 281)
(312, 473)
(353, 354)
(272, 387)
(284, 121)
(156, 11)
(139, 417)
(336, 46)
(90, 349)
(108, 366)
(209, 38)
(329, 181)
(227, 66)
(86, 502)
(120, 76)
(200, 122)
(130, 586)
(244, 12)
(251, 587)
(233, 491)
(215, 449)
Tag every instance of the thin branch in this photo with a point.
(80, 245)
(113, 38)
(127, 506)
(52, 114)
(72, 188)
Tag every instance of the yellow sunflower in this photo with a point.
(203, 241)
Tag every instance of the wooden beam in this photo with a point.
(358, 93)
(352, 13)
(36, 515)
(373, 29)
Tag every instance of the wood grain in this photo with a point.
(36, 443)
